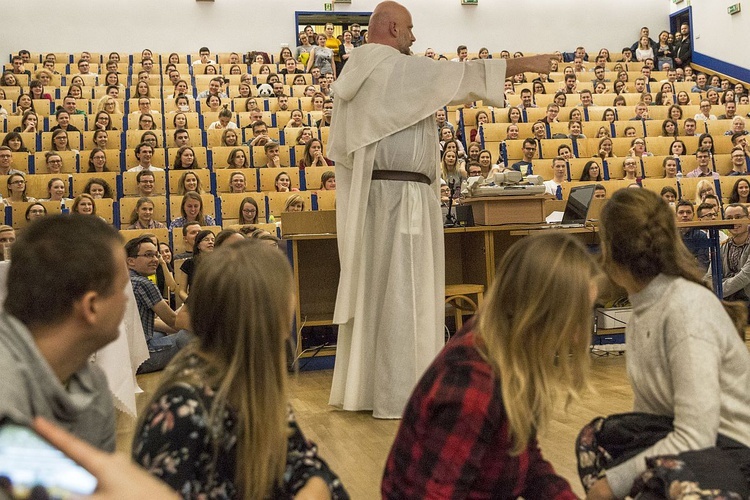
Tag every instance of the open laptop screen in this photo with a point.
(578, 204)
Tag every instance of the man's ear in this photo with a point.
(88, 307)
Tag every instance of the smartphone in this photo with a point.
(29, 462)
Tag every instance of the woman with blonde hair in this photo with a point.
(469, 429)
(704, 188)
(688, 368)
(108, 104)
(295, 203)
(238, 437)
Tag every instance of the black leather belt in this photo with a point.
(399, 175)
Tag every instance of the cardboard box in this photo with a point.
(508, 209)
(613, 317)
(313, 222)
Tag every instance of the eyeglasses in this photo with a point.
(735, 217)
(18, 183)
(149, 255)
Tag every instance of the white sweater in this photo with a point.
(684, 359)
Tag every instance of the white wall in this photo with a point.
(225, 25)
(717, 34)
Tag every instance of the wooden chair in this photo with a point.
(326, 199)
(157, 160)
(130, 184)
(224, 175)
(209, 205)
(457, 296)
(260, 159)
(18, 212)
(36, 185)
(230, 206)
(127, 205)
(133, 138)
(78, 181)
(114, 139)
(657, 184)
(268, 177)
(276, 201)
(174, 176)
(200, 155)
(220, 155)
(162, 234)
(69, 162)
(74, 139)
(313, 175)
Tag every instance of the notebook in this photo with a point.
(577, 207)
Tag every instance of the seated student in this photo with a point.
(61, 308)
(204, 244)
(143, 260)
(191, 210)
(739, 162)
(694, 239)
(143, 215)
(524, 165)
(189, 231)
(600, 192)
(668, 194)
(273, 160)
(688, 367)
(469, 428)
(143, 153)
(559, 172)
(224, 379)
(703, 156)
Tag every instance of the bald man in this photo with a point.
(384, 141)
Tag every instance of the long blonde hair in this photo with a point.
(240, 312)
(537, 342)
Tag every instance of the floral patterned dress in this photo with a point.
(176, 444)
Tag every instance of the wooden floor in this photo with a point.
(356, 445)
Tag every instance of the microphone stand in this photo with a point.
(450, 219)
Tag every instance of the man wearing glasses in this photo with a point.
(703, 169)
(739, 161)
(6, 159)
(161, 337)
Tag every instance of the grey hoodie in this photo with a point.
(30, 388)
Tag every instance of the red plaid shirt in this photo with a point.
(453, 441)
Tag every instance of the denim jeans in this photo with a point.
(162, 348)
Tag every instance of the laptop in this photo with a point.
(577, 207)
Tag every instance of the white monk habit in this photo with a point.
(390, 303)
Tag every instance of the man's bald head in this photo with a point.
(391, 24)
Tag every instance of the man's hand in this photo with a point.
(532, 64)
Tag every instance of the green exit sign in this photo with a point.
(734, 9)
(328, 7)
(469, 2)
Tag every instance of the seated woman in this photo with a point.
(184, 159)
(237, 182)
(142, 216)
(98, 161)
(191, 209)
(204, 244)
(296, 120)
(591, 172)
(229, 138)
(303, 136)
(56, 190)
(283, 183)
(98, 188)
(248, 211)
(469, 428)
(35, 211)
(670, 167)
(53, 162)
(240, 438)
(29, 123)
(688, 368)
(328, 181)
(224, 121)
(83, 204)
(482, 118)
(294, 203)
(14, 141)
(16, 184)
(638, 148)
(62, 118)
(630, 166)
(313, 155)
(704, 188)
(740, 192)
(189, 181)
